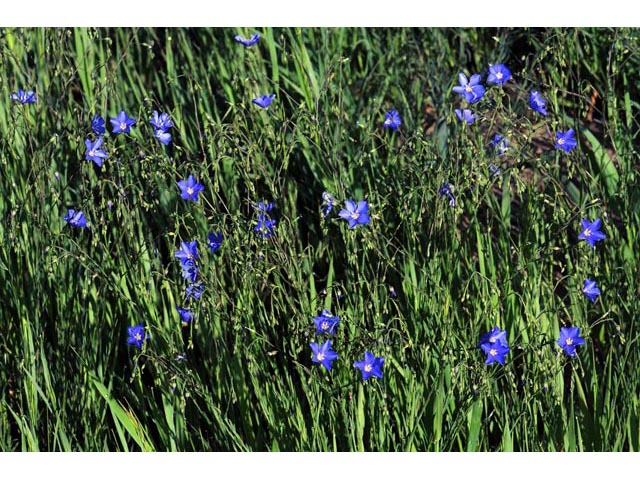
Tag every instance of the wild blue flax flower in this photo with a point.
(471, 90)
(495, 335)
(75, 219)
(247, 42)
(465, 115)
(122, 123)
(326, 323)
(24, 97)
(323, 354)
(264, 207)
(94, 152)
(537, 103)
(494, 344)
(265, 226)
(160, 121)
(136, 335)
(188, 251)
(215, 241)
(161, 124)
(97, 125)
(186, 315)
(371, 365)
(569, 339)
(499, 145)
(498, 74)
(495, 352)
(327, 203)
(190, 188)
(565, 140)
(590, 290)
(189, 271)
(392, 120)
(446, 189)
(162, 136)
(264, 100)
(194, 290)
(356, 214)
(591, 232)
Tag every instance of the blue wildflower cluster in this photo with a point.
(494, 343)
(265, 225)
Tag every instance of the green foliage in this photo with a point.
(418, 285)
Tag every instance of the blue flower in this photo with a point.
(97, 125)
(189, 271)
(94, 152)
(494, 344)
(247, 43)
(190, 188)
(265, 226)
(498, 74)
(24, 97)
(495, 336)
(591, 232)
(264, 100)
(215, 241)
(194, 290)
(323, 354)
(160, 121)
(499, 145)
(471, 90)
(569, 339)
(565, 140)
(162, 136)
(326, 323)
(122, 123)
(446, 189)
(264, 207)
(185, 316)
(392, 120)
(136, 335)
(356, 214)
(590, 290)
(495, 352)
(537, 103)
(327, 203)
(188, 251)
(75, 219)
(465, 115)
(371, 365)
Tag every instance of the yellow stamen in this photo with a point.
(569, 341)
(190, 191)
(368, 368)
(468, 88)
(320, 357)
(138, 337)
(325, 325)
(355, 215)
(123, 126)
(493, 352)
(561, 141)
(499, 75)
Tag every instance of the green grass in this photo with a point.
(507, 254)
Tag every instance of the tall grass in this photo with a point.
(418, 285)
